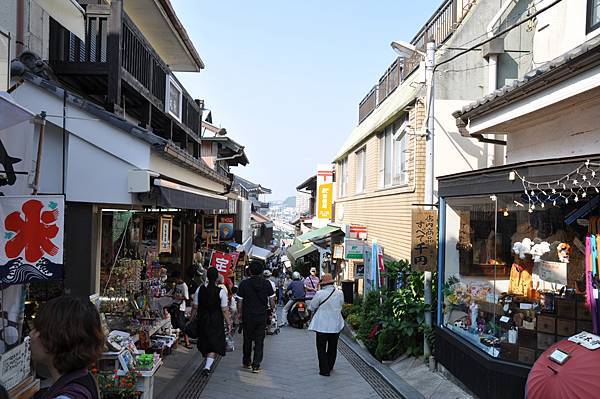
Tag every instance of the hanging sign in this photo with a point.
(165, 234)
(222, 262)
(354, 249)
(424, 240)
(325, 192)
(31, 243)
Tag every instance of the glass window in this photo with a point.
(514, 279)
(361, 170)
(393, 159)
(175, 98)
(344, 177)
(593, 17)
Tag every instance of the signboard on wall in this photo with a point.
(226, 229)
(165, 234)
(424, 240)
(31, 240)
(325, 192)
(357, 231)
(354, 249)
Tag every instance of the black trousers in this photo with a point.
(254, 333)
(327, 351)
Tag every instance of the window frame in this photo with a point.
(343, 186)
(398, 174)
(589, 27)
(361, 171)
(173, 81)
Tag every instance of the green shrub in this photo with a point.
(354, 320)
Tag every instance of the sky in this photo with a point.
(285, 77)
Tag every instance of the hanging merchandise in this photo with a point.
(572, 187)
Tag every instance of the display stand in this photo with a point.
(145, 382)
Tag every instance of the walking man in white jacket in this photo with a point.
(327, 322)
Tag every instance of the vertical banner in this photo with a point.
(31, 240)
(325, 192)
(165, 234)
(424, 240)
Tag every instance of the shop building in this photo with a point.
(513, 238)
(381, 168)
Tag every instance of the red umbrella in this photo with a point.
(578, 377)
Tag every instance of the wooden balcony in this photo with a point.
(118, 68)
(438, 28)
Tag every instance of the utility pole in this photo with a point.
(429, 172)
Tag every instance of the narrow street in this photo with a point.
(289, 371)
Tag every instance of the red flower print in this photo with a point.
(33, 232)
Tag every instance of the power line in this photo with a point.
(497, 35)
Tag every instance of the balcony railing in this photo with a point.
(438, 28)
(142, 67)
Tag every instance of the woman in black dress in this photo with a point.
(210, 303)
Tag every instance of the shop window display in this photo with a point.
(515, 277)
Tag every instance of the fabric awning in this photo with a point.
(299, 250)
(259, 253)
(67, 13)
(317, 234)
(11, 113)
(167, 194)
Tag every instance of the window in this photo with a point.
(593, 15)
(175, 98)
(393, 159)
(361, 170)
(343, 177)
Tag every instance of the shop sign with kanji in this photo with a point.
(223, 262)
(424, 240)
(31, 243)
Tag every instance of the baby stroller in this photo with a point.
(272, 325)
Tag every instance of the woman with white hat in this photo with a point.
(327, 322)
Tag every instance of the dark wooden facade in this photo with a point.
(119, 69)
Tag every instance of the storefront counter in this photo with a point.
(480, 372)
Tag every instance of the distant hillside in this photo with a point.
(289, 202)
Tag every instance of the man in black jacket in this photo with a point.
(256, 294)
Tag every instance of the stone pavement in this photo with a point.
(431, 385)
(290, 371)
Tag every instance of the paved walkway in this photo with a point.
(289, 371)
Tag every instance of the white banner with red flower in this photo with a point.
(31, 240)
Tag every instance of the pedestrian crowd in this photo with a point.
(67, 337)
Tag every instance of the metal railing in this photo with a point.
(438, 28)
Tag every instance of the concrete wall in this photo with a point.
(573, 131)
(37, 26)
(560, 29)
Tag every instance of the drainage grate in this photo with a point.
(196, 383)
(381, 386)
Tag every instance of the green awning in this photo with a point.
(299, 250)
(317, 234)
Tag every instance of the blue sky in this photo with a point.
(285, 77)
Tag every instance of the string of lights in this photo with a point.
(572, 187)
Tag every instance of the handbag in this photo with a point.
(191, 328)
